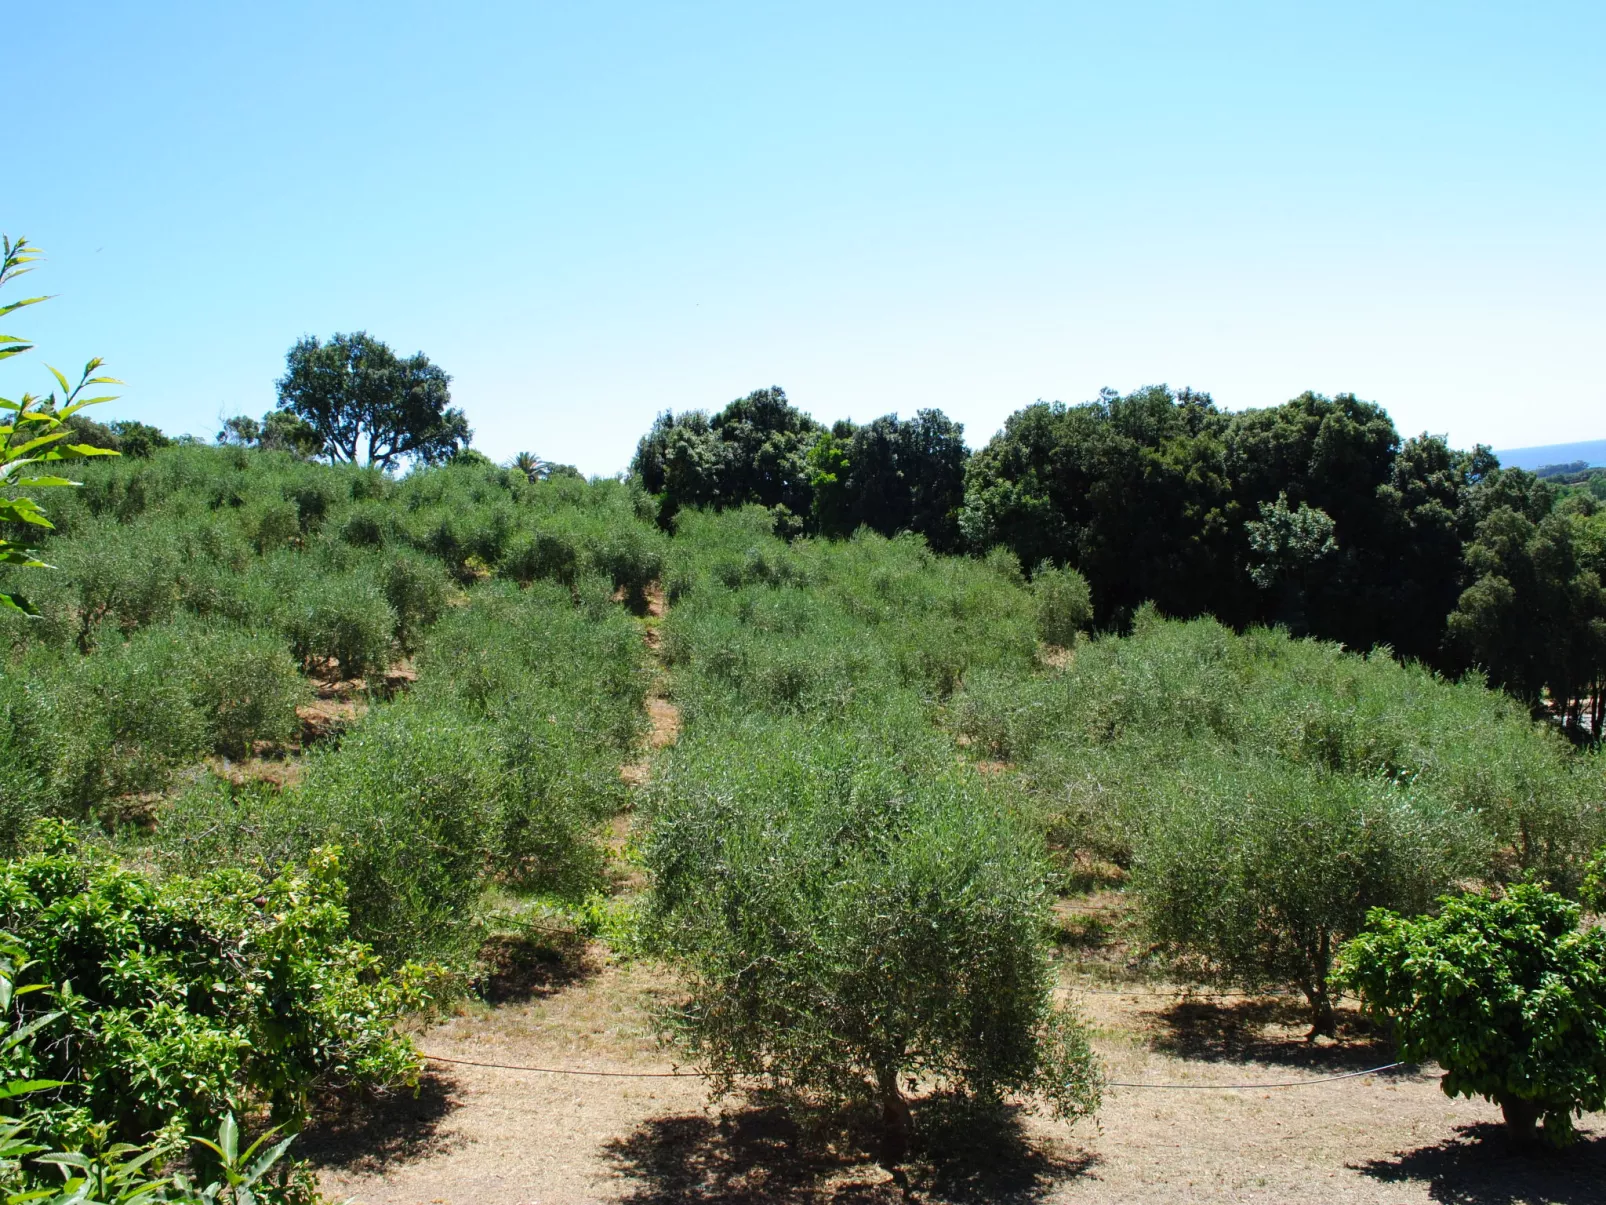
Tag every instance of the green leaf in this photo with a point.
(21, 1087)
(40, 441)
(228, 1137)
(67, 1159)
(28, 1031)
(16, 602)
(17, 305)
(269, 1157)
(69, 411)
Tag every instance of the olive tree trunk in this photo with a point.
(896, 1123)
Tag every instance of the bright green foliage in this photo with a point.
(1506, 993)
(243, 1172)
(1130, 709)
(85, 730)
(410, 796)
(561, 694)
(416, 589)
(1064, 604)
(182, 998)
(34, 433)
(851, 906)
(244, 685)
(119, 579)
(818, 627)
(501, 764)
(850, 919)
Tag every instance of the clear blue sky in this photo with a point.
(589, 212)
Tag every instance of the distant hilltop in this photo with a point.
(1591, 453)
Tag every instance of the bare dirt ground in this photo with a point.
(499, 1137)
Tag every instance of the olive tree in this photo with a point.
(1507, 994)
(1064, 604)
(1255, 872)
(849, 924)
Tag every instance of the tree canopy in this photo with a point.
(354, 391)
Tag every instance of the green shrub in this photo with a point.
(1255, 873)
(271, 524)
(314, 497)
(1003, 561)
(246, 686)
(341, 619)
(119, 575)
(629, 555)
(411, 797)
(367, 526)
(116, 723)
(180, 999)
(1507, 994)
(1064, 604)
(1172, 687)
(416, 590)
(848, 919)
(24, 794)
(544, 556)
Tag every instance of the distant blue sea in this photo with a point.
(1592, 452)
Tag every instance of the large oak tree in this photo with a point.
(354, 390)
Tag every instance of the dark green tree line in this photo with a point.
(890, 475)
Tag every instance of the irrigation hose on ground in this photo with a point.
(1300, 1083)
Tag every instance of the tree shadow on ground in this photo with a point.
(521, 968)
(1480, 1167)
(976, 1156)
(1264, 1031)
(772, 1153)
(370, 1131)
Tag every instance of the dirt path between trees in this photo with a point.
(663, 717)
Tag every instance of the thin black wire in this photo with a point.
(440, 1058)
(1296, 1083)
(1303, 1083)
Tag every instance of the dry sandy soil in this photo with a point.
(483, 1136)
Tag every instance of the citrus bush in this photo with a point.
(170, 1002)
(1506, 993)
